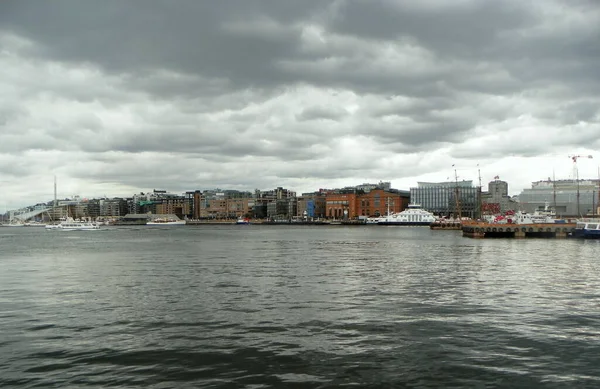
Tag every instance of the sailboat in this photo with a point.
(70, 224)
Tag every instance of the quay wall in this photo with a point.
(519, 231)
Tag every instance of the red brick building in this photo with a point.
(374, 203)
(340, 205)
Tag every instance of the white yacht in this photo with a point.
(165, 222)
(414, 215)
(69, 224)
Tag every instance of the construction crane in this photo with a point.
(576, 175)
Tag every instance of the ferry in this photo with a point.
(414, 215)
(69, 224)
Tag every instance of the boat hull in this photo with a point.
(403, 223)
(59, 227)
(174, 223)
(586, 234)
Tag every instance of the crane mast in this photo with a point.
(576, 175)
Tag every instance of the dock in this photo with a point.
(446, 225)
(520, 231)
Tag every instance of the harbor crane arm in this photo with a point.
(576, 157)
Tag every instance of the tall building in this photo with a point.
(496, 200)
(450, 198)
(562, 195)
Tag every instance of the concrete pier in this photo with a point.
(518, 231)
(446, 225)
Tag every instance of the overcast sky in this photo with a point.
(116, 97)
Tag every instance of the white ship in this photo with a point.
(414, 215)
(165, 222)
(519, 217)
(69, 224)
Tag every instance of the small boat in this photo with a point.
(165, 222)
(35, 224)
(14, 224)
(414, 215)
(587, 229)
(242, 220)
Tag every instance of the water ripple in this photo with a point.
(265, 307)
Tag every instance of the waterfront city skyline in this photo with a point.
(118, 98)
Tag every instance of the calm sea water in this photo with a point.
(295, 307)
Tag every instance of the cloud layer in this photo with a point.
(119, 97)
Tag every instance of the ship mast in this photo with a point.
(576, 176)
(456, 195)
(554, 191)
(479, 193)
(55, 202)
(598, 204)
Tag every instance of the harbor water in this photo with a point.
(255, 306)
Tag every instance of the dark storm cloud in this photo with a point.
(293, 89)
(192, 37)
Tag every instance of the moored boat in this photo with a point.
(414, 215)
(587, 229)
(165, 222)
(70, 224)
(14, 224)
(242, 220)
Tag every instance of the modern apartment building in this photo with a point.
(279, 209)
(173, 206)
(115, 207)
(311, 205)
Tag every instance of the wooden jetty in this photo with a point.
(520, 231)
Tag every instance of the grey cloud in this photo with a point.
(251, 85)
(320, 112)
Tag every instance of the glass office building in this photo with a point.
(440, 198)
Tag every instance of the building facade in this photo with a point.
(449, 199)
(178, 206)
(496, 200)
(312, 205)
(568, 197)
(379, 202)
(341, 205)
